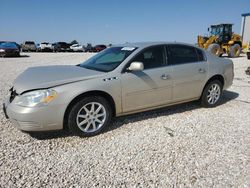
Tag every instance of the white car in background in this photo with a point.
(77, 48)
(45, 47)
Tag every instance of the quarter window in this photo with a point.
(180, 54)
(152, 57)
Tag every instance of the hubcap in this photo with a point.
(91, 117)
(213, 94)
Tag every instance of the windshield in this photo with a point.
(8, 45)
(216, 30)
(108, 59)
(29, 43)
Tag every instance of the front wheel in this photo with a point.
(211, 95)
(215, 49)
(235, 51)
(89, 116)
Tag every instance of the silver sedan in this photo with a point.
(120, 80)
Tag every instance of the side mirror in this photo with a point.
(208, 29)
(136, 66)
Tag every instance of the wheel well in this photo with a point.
(216, 77)
(89, 93)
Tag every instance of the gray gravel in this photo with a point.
(179, 146)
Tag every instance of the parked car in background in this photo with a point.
(77, 48)
(29, 46)
(8, 49)
(89, 48)
(120, 80)
(45, 47)
(61, 47)
(18, 45)
(99, 48)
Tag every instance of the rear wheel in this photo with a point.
(89, 116)
(215, 49)
(234, 51)
(211, 95)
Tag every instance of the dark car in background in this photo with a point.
(61, 47)
(29, 46)
(89, 48)
(99, 48)
(18, 45)
(8, 49)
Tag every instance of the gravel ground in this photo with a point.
(179, 146)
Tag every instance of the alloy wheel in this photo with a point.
(213, 94)
(91, 117)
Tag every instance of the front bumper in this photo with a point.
(44, 118)
(9, 54)
(46, 49)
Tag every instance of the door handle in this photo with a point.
(202, 70)
(165, 77)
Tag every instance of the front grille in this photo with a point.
(9, 50)
(13, 94)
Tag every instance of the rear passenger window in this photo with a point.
(180, 54)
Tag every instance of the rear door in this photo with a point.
(150, 87)
(189, 71)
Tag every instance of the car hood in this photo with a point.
(50, 76)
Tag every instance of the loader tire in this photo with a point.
(234, 51)
(215, 49)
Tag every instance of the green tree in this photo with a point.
(74, 42)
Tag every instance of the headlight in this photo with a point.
(35, 98)
(2, 50)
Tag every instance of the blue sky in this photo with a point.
(115, 21)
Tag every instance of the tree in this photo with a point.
(74, 42)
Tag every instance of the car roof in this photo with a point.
(8, 41)
(148, 44)
(221, 24)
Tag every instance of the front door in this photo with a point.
(148, 88)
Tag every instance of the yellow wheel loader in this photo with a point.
(222, 40)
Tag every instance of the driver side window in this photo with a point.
(152, 57)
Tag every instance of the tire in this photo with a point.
(215, 49)
(234, 51)
(82, 120)
(215, 99)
